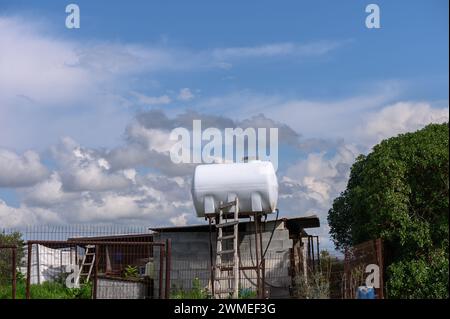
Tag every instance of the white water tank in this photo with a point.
(254, 183)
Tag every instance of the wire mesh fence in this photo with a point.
(361, 261)
(341, 277)
(84, 261)
(81, 262)
(192, 278)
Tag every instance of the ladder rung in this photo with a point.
(227, 224)
(223, 267)
(230, 251)
(224, 278)
(226, 237)
(227, 205)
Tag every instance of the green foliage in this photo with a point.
(84, 292)
(247, 293)
(419, 278)
(131, 272)
(316, 286)
(197, 292)
(6, 254)
(46, 290)
(399, 193)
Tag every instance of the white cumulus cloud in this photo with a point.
(20, 170)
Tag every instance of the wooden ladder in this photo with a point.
(226, 270)
(87, 265)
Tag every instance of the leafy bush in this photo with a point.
(197, 292)
(6, 254)
(419, 278)
(400, 193)
(247, 293)
(131, 272)
(316, 286)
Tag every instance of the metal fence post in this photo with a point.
(94, 289)
(29, 251)
(168, 267)
(379, 249)
(14, 262)
(161, 270)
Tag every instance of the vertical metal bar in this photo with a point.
(263, 263)
(37, 265)
(211, 260)
(29, 251)
(258, 274)
(318, 252)
(261, 259)
(14, 262)
(168, 266)
(309, 254)
(312, 254)
(235, 248)
(379, 246)
(97, 257)
(161, 270)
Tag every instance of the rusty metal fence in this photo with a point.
(336, 276)
(357, 260)
(76, 262)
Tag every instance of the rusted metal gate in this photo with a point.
(115, 269)
(357, 259)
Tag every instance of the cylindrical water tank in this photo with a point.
(253, 183)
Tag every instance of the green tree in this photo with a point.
(399, 192)
(6, 254)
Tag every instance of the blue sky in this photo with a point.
(71, 100)
(410, 46)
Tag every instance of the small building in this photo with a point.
(288, 251)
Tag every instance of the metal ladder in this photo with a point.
(226, 273)
(87, 265)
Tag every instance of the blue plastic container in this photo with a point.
(364, 292)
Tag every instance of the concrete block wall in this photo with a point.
(191, 258)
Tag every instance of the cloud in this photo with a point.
(20, 170)
(315, 118)
(49, 79)
(152, 199)
(179, 220)
(185, 94)
(36, 67)
(41, 67)
(309, 186)
(18, 217)
(83, 169)
(277, 49)
(399, 118)
(151, 100)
